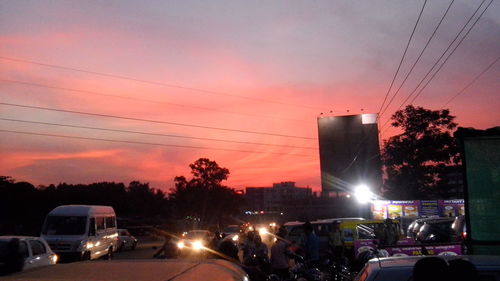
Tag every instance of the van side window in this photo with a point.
(110, 222)
(296, 231)
(92, 227)
(37, 248)
(322, 230)
(23, 249)
(99, 222)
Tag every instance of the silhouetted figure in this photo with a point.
(216, 240)
(310, 244)
(280, 255)
(229, 250)
(167, 250)
(391, 235)
(462, 270)
(430, 269)
(249, 244)
(336, 242)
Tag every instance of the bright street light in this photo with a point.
(363, 193)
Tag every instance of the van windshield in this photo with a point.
(65, 225)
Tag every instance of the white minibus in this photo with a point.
(81, 231)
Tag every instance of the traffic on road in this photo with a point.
(328, 249)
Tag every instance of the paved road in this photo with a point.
(144, 250)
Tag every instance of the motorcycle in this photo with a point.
(340, 271)
(301, 271)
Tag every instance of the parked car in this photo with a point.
(231, 229)
(436, 231)
(459, 228)
(401, 268)
(415, 226)
(19, 253)
(126, 240)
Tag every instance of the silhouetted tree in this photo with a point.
(418, 160)
(23, 207)
(204, 196)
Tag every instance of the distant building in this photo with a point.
(283, 197)
(349, 152)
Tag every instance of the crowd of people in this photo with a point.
(259, 261)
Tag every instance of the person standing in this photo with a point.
(336, 242)
(390, 232)
(310, 244)
(280, 261)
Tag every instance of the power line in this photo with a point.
(419, 56)
(153, 121)
(148, 143)
(156, 83)
(149, 134)
(451, 53)
(472, 82)
(439, 59)
(443, 54)
(404, 54)
(139, 99)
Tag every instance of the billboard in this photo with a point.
(349, 152)
(382, 209)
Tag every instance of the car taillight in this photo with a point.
(464, 235)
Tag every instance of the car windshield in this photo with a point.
(65, 225)
(196, 235)
(442, 226)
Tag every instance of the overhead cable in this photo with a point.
(153, 121)
(148, 143)
(442, 55)
(471, 82)
(149, 134)
(451, 53)
(418, 58)
(122, 77)
(402, 58)
(141, 99)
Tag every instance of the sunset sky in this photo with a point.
(238, 82)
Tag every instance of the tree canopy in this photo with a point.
(203, 197)
(23, 206)
(418, 160)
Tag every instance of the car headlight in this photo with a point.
(54, 258)
(235, 237)
(180, 244)
(262, 231)
(84, 245)
(197, 245)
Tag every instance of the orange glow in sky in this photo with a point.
(238, 82)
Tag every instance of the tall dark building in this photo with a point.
(349, 152)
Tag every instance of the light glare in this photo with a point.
(363, 193)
